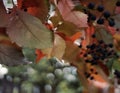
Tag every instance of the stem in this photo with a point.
(13, 3)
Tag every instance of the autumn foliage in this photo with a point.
(84, 33)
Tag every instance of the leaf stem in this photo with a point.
(13, 3)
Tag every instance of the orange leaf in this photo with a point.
(39, 54)
(88, 39)
(76, 36)
(66, 38)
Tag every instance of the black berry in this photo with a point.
(93, 17)
(93, 36)
(91, 5)
(106, 14)
(87, 75)
(91, 78)
(80, 46)
(88, 46)
(110, 45)
(25, 10)
(100, 21)
(85, 55)
(118, 3)
(100, 8)
(96, 73)
(91, 69)
(101, 42)
(117, 73)
(111, 22)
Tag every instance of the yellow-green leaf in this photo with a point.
(28, 31)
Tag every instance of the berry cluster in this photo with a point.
(105, 15)
(98, 52)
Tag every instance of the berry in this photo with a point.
(85, 55)
(93, 17)
(87, 61)
(92, 46)
(118, 3)
(110, 45)
(94, 62)
(102, 57)
(100, 21)
(91, 69)
(95, 57)
(101, 42)
(100, 8)
(117, 73)
(91, 78)
(80, 46)
(88, 46)
(93, 36)
(117, 29)
(111, 22)
(25, 10)
(87, 75)
(85, 11)
(96, 73)
(106, 14)
(91, 5)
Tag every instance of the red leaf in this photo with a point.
(39, 54)
(38, 8)
(76, 17)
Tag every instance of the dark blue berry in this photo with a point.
(87, 75)
(91, 78)
(85, 55)
(96, 73)
(91, 5)
(118, 3)
(110, 45)
(93, 36)
(93, 17)
(117, 29)
(111, 22)
(88, 46)
(80, 46)
(91, 69)
(117, 73)
(100, 8)
(25, 10)
(87, 61)
(106, 14)
(100, 21)
(85, 11)
(101, 42)
(94, 62)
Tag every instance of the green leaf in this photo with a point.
(103, 34)
(28, 31)
(29, 54)
(116, 64)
